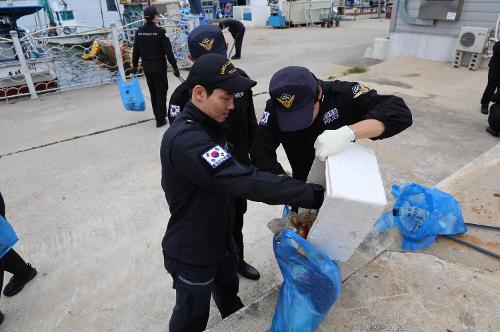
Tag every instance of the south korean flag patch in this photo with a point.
(216, 156)
(174, 110)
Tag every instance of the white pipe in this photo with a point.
(496, 29)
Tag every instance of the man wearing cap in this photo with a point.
(311, 117)
(241, 123)
(237, 30)
(200, 178)
(152, 45)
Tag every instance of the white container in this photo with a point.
(354, 199)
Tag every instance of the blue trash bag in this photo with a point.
(422, 214)
(7, 236)
(131, 94)
(311, 284)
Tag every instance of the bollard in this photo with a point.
(24, 66)
(118, 52)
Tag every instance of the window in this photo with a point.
(66, 15)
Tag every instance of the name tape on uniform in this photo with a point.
(264, 119)
(331, 116)
(216, 156)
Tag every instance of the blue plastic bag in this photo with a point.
(311, 284)
(7, 236)
(131, 94)
(422, 214)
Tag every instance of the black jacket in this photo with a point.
(152, 45)
(495, 59)
(241, 123)
(235, 27)
(343, 103)
(200, 177)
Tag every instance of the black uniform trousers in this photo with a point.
(11, 261)
(193, 286)
(240, 207)
(158, 87)
(238, 41)
(493, 84)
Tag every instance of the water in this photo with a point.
(87, 12)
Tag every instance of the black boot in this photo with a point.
(17, 283)
(1, 318)
(248, 271)
(492, 132)
(484, 109)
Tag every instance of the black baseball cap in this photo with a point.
(150, 12)
(206, 39)
(217, 71)
(293, 92)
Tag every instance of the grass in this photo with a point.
(355, 70)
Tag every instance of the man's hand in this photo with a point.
(333, 141)
(177, 73)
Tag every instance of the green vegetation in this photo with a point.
(355, 70)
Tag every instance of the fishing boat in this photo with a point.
(66, 31)
(41, 67)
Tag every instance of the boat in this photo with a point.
(41, 66)
(65, 29)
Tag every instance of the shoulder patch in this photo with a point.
(216, 156)
(264, 119)
(359, 89)
(174, 110)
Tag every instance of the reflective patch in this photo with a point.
(265, 118)
(359, 89)
(174, 110)
(331, 116)
(239, 95)
(216, 156)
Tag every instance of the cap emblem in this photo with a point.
(207, 44)
(286, 100)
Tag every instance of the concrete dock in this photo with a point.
(81, 181)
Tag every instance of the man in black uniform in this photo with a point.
(241, 123)
(312, 117)
(152, 45)
(200, 178)
(237, 30)
(493, 79)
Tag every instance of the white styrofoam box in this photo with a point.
(354, 199)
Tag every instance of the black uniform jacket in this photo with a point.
(151, 45)
(235, 27)
(200, 177)
(241, 122)
(495, 59)
(343, 103)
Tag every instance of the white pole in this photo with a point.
(24, 66)
(118, 52)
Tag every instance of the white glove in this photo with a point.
(333, 141)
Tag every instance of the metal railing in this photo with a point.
(39, 61)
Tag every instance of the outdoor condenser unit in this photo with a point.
(473, 39)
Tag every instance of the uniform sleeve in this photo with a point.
(135, 52)
(167, 47)
(265, 143)
(252, 119)
(388, 109)
(227, 175)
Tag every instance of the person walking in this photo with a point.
(152, 45)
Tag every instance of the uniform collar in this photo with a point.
(196, 114)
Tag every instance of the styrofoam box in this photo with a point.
(354, 199)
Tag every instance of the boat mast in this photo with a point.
(102, 15)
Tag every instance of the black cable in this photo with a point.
(473, 246)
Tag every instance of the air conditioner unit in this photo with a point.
(473, 39)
